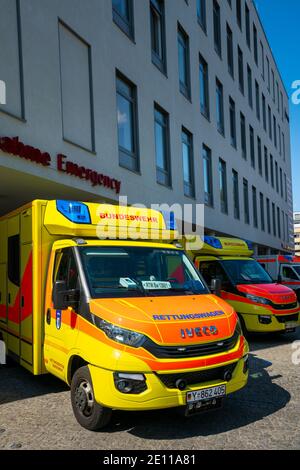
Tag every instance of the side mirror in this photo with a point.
(216, 286)
(62, 297)
(279, 279)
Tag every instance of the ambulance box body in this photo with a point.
(101, 297)
(283, 268)
(262, 304)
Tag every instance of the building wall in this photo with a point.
(59, 60)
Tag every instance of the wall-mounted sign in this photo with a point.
(15, 147)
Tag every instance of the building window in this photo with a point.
(252, 146)
(283, 146)
(254, 204)
(184, 63)
(275, 131)
(268, 215)
(201, 13)
(123, 16)
(158, 42)
(278, 222)
(188, 163)
(255, 48)
(223, 186)
(278, 102)
(250, 95)
(246, 201)
(262, 55)
(270, 122)
(262, 211)
(285, 188)
(217, 28)
(247, 21)
(276, 177)
(236, 199)
(230, 61)
(264, 112)
(220, 107)
(272, 170)
(283, 226)
(232, 121)
(266, 164)
(257, 100)
(241, 70)
(162, 146)
(279, 138)
(282, 111)
(127, 123)
(207, 176)
(204, 87)
(273, 85)
(243, 136)
(259, 156)
(281, 183)
(239, 13)
(268, 73)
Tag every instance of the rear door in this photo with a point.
(13, 285)
(3, 277)
(26, 310)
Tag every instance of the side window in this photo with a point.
(288, 273)
(212, 270)
(13, 262)
(66, 269)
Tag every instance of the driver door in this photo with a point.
(61, 328)
(289, 277)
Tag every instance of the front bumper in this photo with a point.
(157, 395)
(278, 322)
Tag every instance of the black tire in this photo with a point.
(88, 413)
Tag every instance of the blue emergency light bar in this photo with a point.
(170, 221)
(76, 212)
(213, 241)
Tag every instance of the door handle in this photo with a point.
(48, 316)
(9, 297)
(22, 301)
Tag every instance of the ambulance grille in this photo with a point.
(195, 350)
(284, 306)
(287, 318)
(198, 377)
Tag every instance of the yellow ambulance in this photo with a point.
(102, 297)
(262, 304)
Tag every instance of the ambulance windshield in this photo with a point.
(139, 271)
(246, 271)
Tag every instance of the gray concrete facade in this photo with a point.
(59, 60)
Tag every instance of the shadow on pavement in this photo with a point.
(260, 398)
(259, 342)
(16, 383)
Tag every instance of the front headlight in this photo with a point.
(258, 300)
(120, 335)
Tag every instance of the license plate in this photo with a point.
(291, 325)
(206, 394)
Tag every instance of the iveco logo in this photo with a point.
(181, 349)
(199, 332)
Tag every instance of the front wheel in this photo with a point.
(87, 411)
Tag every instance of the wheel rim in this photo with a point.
(84, 398)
